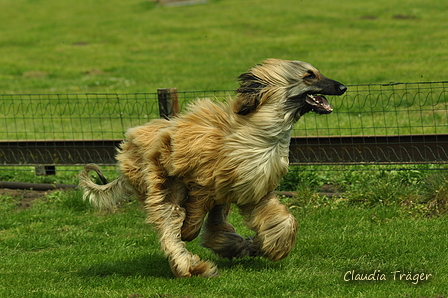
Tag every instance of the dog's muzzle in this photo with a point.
(319, 103)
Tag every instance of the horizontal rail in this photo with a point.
(59, 152)
(405, 149)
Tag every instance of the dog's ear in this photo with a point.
(249, 93)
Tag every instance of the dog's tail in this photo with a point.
(103, 197)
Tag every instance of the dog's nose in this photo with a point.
(342, 88)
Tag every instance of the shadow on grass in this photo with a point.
(146, 265)
(254, 264)
(157, 266)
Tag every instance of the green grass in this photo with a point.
(125, 47)
(137, 46)
(386, 220)
(61, 248)
(64, 175)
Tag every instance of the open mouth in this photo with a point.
(319, 104)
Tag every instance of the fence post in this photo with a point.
(43, 170)
(168, 103)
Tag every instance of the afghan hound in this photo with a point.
(187, 171)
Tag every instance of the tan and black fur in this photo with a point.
(218, 154)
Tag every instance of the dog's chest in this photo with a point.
(259, 171)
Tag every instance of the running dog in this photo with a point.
(187, 171)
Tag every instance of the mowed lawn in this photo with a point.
(61, 248)
(69, 46)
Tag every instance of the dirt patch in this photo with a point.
(330, 191)
(25, 197)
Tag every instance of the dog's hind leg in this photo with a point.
(221, 237)
(197, 205)
(275, 227)
(192, 224)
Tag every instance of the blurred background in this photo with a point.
(89, 70)
(53, 46)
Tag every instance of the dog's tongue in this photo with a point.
(319, 104)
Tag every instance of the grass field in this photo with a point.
(384, 225)
(135, 46)
(60, 248)
(383, 221)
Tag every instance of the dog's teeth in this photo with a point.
(313, 98)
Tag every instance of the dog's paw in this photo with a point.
(204, 269)
(192, 265)
(276, 243)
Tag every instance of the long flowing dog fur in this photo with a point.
(218, 154)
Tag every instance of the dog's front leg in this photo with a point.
(275, 227)
(168, 219)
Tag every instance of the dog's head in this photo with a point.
(296, 86)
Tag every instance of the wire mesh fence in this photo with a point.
(73, 116)
(383, 109)
(397, 123)
(408, 120)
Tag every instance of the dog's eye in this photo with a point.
(310, 76)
